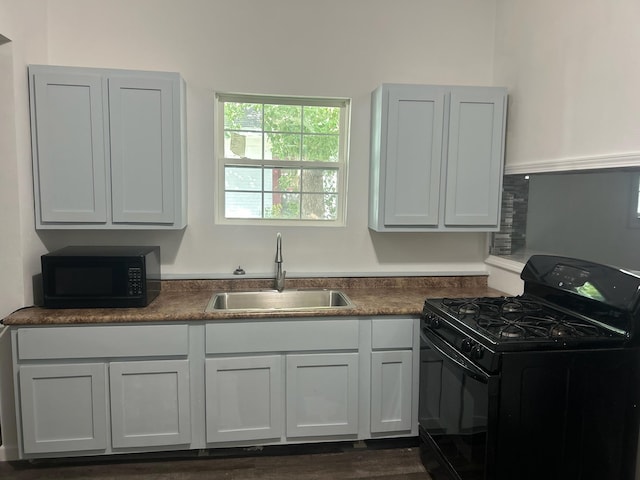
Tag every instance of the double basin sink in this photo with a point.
(268, 300)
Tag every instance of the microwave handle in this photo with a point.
(452, 356)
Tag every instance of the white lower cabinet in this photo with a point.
(391, 391)
(394, 373)
(150, 403)
(100, 390)
(243, 398)
(249, 398)
(322, 394)
(63, 408)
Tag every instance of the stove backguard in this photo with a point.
(606, 294)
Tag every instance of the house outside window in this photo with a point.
(281, 160)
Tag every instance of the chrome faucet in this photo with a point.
(280, 274)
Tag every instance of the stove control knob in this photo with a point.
(477, 352)
(432, 320)
(467, 345)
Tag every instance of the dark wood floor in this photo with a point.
(340, 462)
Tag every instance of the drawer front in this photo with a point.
(392, 333)
(281, 336)
(102, 341)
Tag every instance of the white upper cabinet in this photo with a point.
(68, 137)
(108, 148)
(436, 158)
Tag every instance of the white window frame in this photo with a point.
(634, 206)
(221, 162)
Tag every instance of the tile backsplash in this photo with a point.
(513, 223)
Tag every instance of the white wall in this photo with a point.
(24, 23)
(573, 76)
(11, 283)
(301, 47)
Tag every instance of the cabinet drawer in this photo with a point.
(281, 336)
(392, 333)
(102, 341)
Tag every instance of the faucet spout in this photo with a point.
(280, 274)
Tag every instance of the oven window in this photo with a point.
(454, 411)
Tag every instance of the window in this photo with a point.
(281, 159)
(638, 202)
(634, 216)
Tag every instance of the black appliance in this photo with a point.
(544, 385)
(100, 276)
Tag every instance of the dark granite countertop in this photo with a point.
(186, 300)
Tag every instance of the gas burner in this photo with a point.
(470, 306)
(468, 309)
(573, 329)
(512, 330)
(562, 330)
(509, 329)
(512, 307)
(536, 327)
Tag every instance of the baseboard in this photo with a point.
(8, 454)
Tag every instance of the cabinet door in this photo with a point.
(150, 403)
(143, 131)
(475, 157)
(244, 398)
(322, 394)
(68, 138)
(63, 408)
(391, 391)
(413, 155)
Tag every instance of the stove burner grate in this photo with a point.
(490, 306)
(513, 318)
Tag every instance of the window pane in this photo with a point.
(242, 116)
(320, 148)
(283, 118)
(282, 146)
(319, 207)
(282, 179)
(322, 120)
(282, 205)
(243, 145)
(243, 205)
(314, 180)
(243, 178)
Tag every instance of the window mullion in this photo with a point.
(263, 134)
(301, 153)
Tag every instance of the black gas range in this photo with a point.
(541, 385)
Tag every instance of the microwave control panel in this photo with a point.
(135, 281)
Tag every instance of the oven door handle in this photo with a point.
(454, 357)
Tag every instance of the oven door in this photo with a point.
(457, 414)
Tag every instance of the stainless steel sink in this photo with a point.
(274, 300)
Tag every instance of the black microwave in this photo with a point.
(97, 277)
